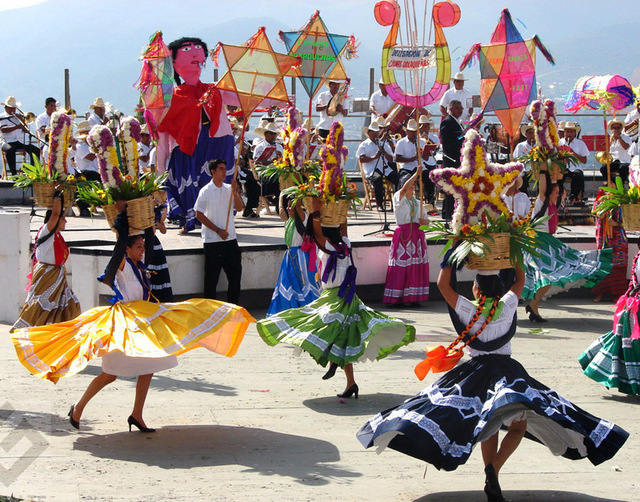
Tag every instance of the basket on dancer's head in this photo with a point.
(619, 199)
(497, 253)
(51, 176)
(121, 181)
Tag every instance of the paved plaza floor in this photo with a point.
(264, 426)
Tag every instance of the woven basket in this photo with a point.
(159, 197)
(287, 181)
(496, 258)
(43, 194)
(333, 214)
(631, 216)
(556, 172)
(139, 213)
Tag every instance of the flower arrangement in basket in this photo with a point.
(489, 237)
(118, 161)
(548, 152)
(619, 197)
(45, 178)
(292, 168)
(332, 193)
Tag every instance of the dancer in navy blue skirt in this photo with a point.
(474, 400)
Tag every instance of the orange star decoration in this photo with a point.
(478, 184)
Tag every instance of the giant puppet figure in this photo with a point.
(194, 130)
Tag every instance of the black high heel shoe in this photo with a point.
(74, 423)
(533, 317)
(350, 391)
(132, 421)
(492, 486)
(330, 372)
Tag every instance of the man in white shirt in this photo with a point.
(221, 250)
(144, 149)
(632, 121)
(264, 154)
(619, 144)
(522, 148)
(406, 153)
(428, 160)
(98, 115)
(457, 93)
(380, 102)
(13, 130)
(322, 106)
(86, 162)
(43, 120)
(580, 149)
(374, 164)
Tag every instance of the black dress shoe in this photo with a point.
(330, 372)
(74, 423)
(350, 392)
(491, 485)
(533, 317)
(132, 421)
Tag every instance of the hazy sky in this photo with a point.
(100, 40)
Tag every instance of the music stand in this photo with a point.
(386, 228)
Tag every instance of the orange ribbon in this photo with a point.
(439, 359)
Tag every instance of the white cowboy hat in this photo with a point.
(381, 81)
(270, 127)
(83, 127)
(261, 125)
(144, 129)
(613, 121)
(373, 127)
(382, 122)
(97, 103)
(308, 124)
(412, 125)
(459, 76)
(425, 119)
(11, 102)
(334, 81)
(525, 127)
(561, 125)
(572, 125)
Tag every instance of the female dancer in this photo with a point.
(558, 265)
(158, 267)
(50, 298)
(610, 234)
(134, 337)
(297, 284)
(408, 273)
(614, 358)
(337, 328)
(471, 402)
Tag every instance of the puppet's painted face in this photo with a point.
(189, 62)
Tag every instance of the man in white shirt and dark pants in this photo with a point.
(13, 131)
(322, 107)
(43, 120)
(406, 153)
(580, 149)
(380, 103)
(619, 144)
(457, 93)
(221, 250)
(376, 168)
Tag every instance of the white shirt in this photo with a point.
(495, 329)
(406, 148)
(7, 120)
(144, 150)
(464, 96)
(128, 284)
(542, 227)
(326, 121)
(152, 157)
(42, 120)
(262, 146)
(381, 103)
(431, 160)
(618, 151)
(369, 149)
(521, 149)
(519, 204)
(45, 252)
(213, 202)
(342, 265)
(83, 164)
(94, 119)
(403, 207)
(579, 147)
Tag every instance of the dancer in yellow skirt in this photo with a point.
(50, 298)
(134, 337)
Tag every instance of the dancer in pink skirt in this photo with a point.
(408, 273)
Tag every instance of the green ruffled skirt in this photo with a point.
(332, 330)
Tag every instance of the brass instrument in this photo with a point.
(604, 158)
(632, 128)
(338, 99)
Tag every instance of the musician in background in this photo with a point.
(374, 157)
(380, 102)
(522, 148)
(42, 120)
(13, 129)
(264, 154)
(632, 121)
(457, 93)
(322, 107)
(451, 135)
(144, 149)
(406, 153)
(619, 144)
(315, 141)
(428, 160)
(98, 114)
(580, 149)
(86, 162)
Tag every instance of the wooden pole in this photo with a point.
(606, 143)
(67, 90)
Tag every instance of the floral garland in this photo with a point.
(59, 138)
(333, 155)
(101, 143)
(293, 139)
(129, 134)
(478, 184)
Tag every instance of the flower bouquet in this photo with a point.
(547, 153)
(292, 168)
(118, 161)
(45, 179)
(331, 194)
(628, 200)
(484, 231)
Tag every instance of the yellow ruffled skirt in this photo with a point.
(137, 329)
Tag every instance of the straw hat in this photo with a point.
(11, 102)
(561, 125)
(425, 119)
(97, 103)
(525, 127)
(261, 125)
(614, 121)
(372, 127)
(269, 127)
(382, 122)
(308, 124)
(334, 81)
(412, 125)
(144, 129)
(459, 76)
(572, 125)
(381, 81)
(83, 128)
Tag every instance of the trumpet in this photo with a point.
(604, 157)
(25, 118)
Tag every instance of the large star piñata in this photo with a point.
(478, 184)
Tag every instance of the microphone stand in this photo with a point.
(385, 225)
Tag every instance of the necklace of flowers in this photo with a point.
(129, 133)
(333, 156)
(100, 141)
(59, 138)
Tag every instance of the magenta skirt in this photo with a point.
(408, 272)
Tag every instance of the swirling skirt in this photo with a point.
(408, 272)
(137, 329)
(563, 267)
(297, 285)
(470, 403)
(330, 329)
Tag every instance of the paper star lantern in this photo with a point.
(478, 184)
